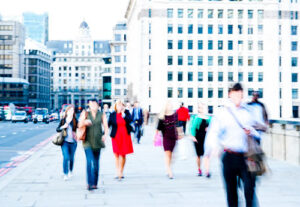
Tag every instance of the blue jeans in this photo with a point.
(68, 151)
(92, 165)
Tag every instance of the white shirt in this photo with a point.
(224, 129)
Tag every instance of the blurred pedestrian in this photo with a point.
(183, 116)
(106, 111)
(146, 115)
(226, 127)
(69, 124)
(138, 120)
(167, 124)
(119, 122)
(94, 141)
(199, 124)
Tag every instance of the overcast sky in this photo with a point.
(65, 16)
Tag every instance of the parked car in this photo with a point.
(54, 117)
(41, 115)
(2, 115)
(19, 116)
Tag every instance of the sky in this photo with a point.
(65, 16)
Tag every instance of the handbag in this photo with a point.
(255, 157)
(59, 138)
(81, 131)
(158, 140)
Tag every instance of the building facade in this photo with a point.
(13, 79)
(190, 51)
(77, 69)
(37, 65)
(36, 26)
(119, 62)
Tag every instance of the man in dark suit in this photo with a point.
(137, 117)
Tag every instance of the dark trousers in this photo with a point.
(234, 166)
(137, 132)
(68, 151)
(92, 165)
(183, 124)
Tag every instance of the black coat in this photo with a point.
(112, 122)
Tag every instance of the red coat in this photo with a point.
(183, 114)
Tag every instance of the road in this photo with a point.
(16, 138)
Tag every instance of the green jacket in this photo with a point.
(195, 123)
(94, 133)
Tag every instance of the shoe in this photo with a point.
(70, 174)
(94, 187)
(89, 188)
(199, 173)
(170, 177)
(65, 178)
(208, 175)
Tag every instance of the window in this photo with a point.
(220, 29)
(170, 76)
(190, 29)
(250, 60)
(210, 45)
(180, 29)
(148, 29)
(190, 92)
(260, 45)
(210, 29)
(220, 60)
(200, 44)
(294, 93)
(180, 93)
(260, 77)
(117, 37)
(240, 45)
(149, 92)
(200, 13)
(250, 76)
(200, 92)
(190, 44)
(294, 46)
(190, 60)
(117, 81)
(149, 63)
(240, 28)
(117, 70)
(210, 77)
(210, 93)
(220, 13)
(250, 91)
(117, 48)
(180, 76)
(230, 45)
(230, 29)
(117, 59)
(200, 29)
(250, 45)
(190, 76)
(149, 44)
(210, 60)
(260, 14)
(210, 14)
(180, 44)
(170, 44)
(170, 60)
(293, 30)
(170, 28)
(149, 13)
(117, 92)
(170, 92)
(295, 111)
(260, 29)
(220, 92)
(180, 13)
(200, 76)
(170, 13)
(230, 60)
(250, 14)
(240, 14)
(294, 77)
(250, 29)
(294, 62)
(260, 61)
(240, 76)
(210, 109)
(240, 61)
(220, 44)
(200, 60)
(180, 60)
(230, 76)
(220, 76)
(190, 13)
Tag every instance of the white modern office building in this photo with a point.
(77, 69)
(193, 50)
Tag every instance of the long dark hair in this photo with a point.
(74, 120)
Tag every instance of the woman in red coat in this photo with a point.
(120, 121)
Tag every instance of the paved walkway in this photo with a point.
(38, 182)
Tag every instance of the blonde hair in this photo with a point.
(163, 112)
(117, 103)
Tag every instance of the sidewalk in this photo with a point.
(38, 182)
